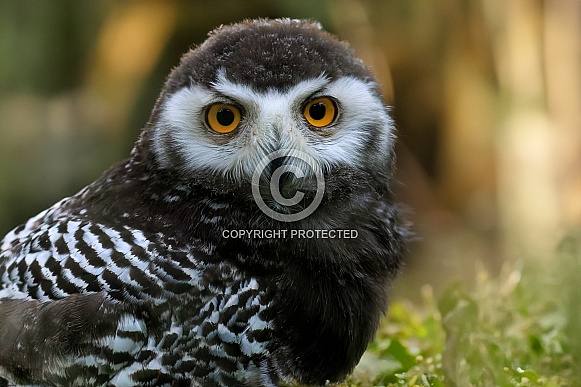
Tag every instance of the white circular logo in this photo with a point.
(275, 185)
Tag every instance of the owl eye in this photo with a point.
(321, 112)
(223, 118)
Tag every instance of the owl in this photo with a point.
(250, 239)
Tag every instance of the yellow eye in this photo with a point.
(321, 112)
(223, 118)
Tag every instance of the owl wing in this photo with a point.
(56, 254)
(63, 341)
(70, 290)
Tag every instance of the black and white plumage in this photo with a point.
(131, 282)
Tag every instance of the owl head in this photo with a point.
(256, 88)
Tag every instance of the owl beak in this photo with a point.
(286, 169)
(292, 175)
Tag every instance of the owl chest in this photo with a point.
(325, 313)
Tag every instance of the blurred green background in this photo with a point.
(486, 95)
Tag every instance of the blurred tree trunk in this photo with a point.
(538, 139)
(128, 47)
(562, 61)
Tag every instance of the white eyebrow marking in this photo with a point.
(273, 121)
